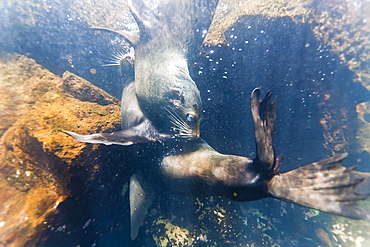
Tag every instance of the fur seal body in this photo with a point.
(164, 87)
(166, 98)
(195, 166)
(239, 178)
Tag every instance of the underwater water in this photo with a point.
(315, 62)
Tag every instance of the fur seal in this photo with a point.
(196, 166)
(166, 98)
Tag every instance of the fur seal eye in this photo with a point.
(190, 118)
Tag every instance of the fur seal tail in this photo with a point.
(325, 185)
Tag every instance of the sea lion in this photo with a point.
(195, 166)
(163, 91)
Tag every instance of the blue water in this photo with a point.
(271, 53)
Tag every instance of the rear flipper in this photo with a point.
(325, 185)
(181, 19)
(264, 117)
(141, 133)
(141, 196)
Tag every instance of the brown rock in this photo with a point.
(35, 158)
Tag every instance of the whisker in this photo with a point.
(203, 123)
(110, 64)
(118, 57)
(178, 122)
(181, 126)
(184, 135)
(182, 131)
(176, 118)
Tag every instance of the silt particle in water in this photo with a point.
(93, 71)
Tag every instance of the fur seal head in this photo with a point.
(166, 93)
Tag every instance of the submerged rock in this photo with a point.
(35, 158)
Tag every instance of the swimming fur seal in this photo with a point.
(196, 166)
(166, 100)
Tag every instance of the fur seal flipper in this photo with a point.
(142, 133)
(194, 166)
(131, 38)
(141, 196)
(264, 118)
(325, 185)
(136, 127)
(180, 20)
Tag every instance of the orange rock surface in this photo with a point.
(35, 157)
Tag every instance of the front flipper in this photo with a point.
(131, 38)
(264, 117)
(141, 196)
(141, 133)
